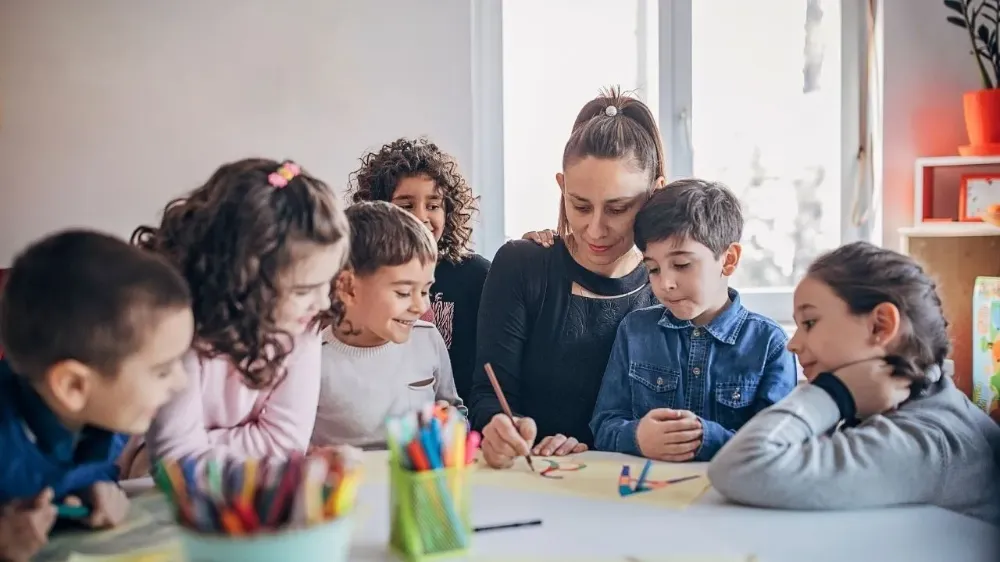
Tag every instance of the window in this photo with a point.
(762, 96)
(552, 65)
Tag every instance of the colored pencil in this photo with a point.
(642, 475)
(244, 497)
(505, 406)
(433, 440)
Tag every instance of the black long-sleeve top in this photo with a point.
(548, 347)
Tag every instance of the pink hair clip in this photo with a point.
(284, 174)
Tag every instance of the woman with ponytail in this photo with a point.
(549, 314)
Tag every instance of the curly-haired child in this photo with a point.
(259, 244)
(418, 176)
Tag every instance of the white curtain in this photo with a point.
(865, 204)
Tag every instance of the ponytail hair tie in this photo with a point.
(280, 177)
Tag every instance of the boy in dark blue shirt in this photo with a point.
(684, 375)
(92, 331)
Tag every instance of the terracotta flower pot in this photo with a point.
(982, 117)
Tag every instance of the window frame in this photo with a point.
(672, 100)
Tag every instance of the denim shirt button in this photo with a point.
(736, 394)
(696, 371)
(696, 333)
(659, 381)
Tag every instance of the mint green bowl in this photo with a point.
(329, 542)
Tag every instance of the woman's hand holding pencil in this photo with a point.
(513, 435)
(505, 438)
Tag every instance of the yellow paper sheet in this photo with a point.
(598, 479)
(149, 528)
(376, 467)
(170, 553)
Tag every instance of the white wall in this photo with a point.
(108, 108)
(927, 68)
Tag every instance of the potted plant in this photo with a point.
(981, 20)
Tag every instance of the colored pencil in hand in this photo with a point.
(506, 407)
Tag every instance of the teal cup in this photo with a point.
(329, 541)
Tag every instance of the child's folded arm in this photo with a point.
(613, 423)
(777, 380)
(713, 437)
(785, 457)
(285, 423)
(178, 430)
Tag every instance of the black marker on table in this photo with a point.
(503, 526)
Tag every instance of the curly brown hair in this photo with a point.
(381, 172)
(231, 239)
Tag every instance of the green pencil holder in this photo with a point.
(429, 513)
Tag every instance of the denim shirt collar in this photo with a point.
(49, 434)
(725, 327)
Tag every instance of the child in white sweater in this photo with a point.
(381, 360)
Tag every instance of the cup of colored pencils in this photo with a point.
(430, 453)
(262, 509)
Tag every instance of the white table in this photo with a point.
(578, 528)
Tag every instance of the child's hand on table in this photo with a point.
(108, 505)
(24, 527)
(669, 435)
(503, 442)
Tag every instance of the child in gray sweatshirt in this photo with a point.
(379, 360)
(880, 423)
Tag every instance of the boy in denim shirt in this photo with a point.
(684, 375)
(93, 331)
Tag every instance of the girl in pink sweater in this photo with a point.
(259, 244)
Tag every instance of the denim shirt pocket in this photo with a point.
(653, 387)
(734, 400)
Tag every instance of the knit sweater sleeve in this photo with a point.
(788, 456)
(178, 430)
(283, 424)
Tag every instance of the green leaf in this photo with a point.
(960, 22)
(984, 34)
(955, 5)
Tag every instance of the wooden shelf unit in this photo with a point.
(930, 174)
(954, 253)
